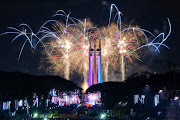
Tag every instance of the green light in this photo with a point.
(103, 115)
(35, 115)
(45, 119)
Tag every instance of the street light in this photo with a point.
(160, 91)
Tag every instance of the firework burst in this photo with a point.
(66, 44)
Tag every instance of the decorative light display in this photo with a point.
(156, 100)
(138, 98)
(64, 98)
(141, 99)
(58, 98)
(35, 100)
(6, 105)
(94, 98)
(20, 103)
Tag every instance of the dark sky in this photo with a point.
(149, 14)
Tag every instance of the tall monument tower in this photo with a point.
(95, 68)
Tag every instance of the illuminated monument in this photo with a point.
(95, 68)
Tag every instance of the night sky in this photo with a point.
(148, 14)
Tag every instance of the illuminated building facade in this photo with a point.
(64, 98)
(94, 98)
(55, 98)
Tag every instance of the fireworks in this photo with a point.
(67, 45)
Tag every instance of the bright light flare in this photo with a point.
(45, 119)
(176, 98)
(35, 115)
(103, 116)
(85, 86)
(68, 44)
